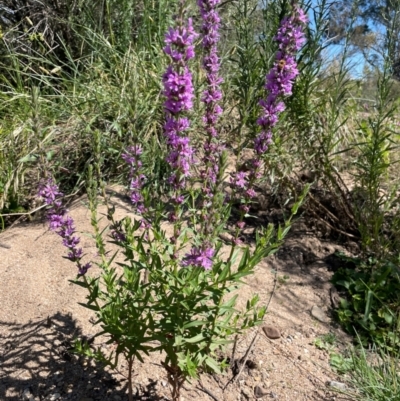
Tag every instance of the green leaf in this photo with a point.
(91, 307)
(388, 317)
(368, 305)
(194, 339)
(243, 265)
(222, 276)
(28, 158)
(195, 323)
(178, 341)
(229, 304)
(80, 283)
(210, 362)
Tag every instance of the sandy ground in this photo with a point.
(40, 315)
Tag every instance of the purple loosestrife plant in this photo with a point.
(179, 93)
(212, 149)
(62, 224)
(278, 84)
(154, 301)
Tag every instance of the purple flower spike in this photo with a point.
(132, 157)
(278, 84)
(212, 94)
(179, 94)
(62, 224)
(280, 79)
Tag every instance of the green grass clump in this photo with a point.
(376, 380)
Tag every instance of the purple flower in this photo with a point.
(49, 192)
(245, 208)
(279, 84)
(240, 179)
(172, 217)
(211, 97)
(145, 224)
(179, 42)
(250, 193)
(212, 94)
(137, 178)
(71, 242)
(62, 224)
(118, 235)
(179, 94)
(280, 79)
(55, 220)
(199, 258)
(178, 200)
(178, 89)
(75, 254)
(84, 268)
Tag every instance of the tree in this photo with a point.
(367, 23)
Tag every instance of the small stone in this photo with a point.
(335, 298)
(271, 332)
(273, 395)
(259, 392)
(117, 398)
(163, 383)
(54, 396)
(247, 393)
(319, 314)
(26, 395)
(337, 385)
(89, 386)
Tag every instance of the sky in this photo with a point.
(356, 62)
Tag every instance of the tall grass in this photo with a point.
(375, 376)
(107, 89)
(377, 146)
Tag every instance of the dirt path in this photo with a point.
(40, 315)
